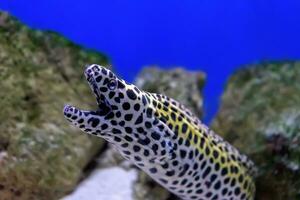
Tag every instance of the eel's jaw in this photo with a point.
(88, 121)
(85, 120)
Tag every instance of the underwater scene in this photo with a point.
(149, 100)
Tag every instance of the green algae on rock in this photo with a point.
(182, 85)
(260, 115)
(41, 157)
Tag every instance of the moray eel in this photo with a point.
(164, 139)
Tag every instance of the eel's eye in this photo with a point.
(112, 84)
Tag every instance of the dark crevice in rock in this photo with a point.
(173, 197)
(93, 163)
(4, 144)
(2, 187)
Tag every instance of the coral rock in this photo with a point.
(41, 156)
(260, 115)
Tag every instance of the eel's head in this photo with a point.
(117, 101)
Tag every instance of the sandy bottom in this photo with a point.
(106, 184)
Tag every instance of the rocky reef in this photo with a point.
(260, 115)
(41, 156)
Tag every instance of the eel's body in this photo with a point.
(165, 140)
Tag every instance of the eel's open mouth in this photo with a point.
(103, 105)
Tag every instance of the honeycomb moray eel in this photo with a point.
(164, 139)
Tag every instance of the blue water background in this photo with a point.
(213, 36)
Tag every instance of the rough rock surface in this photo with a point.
(41, 156)
(260, 114)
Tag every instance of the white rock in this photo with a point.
(106, 184)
